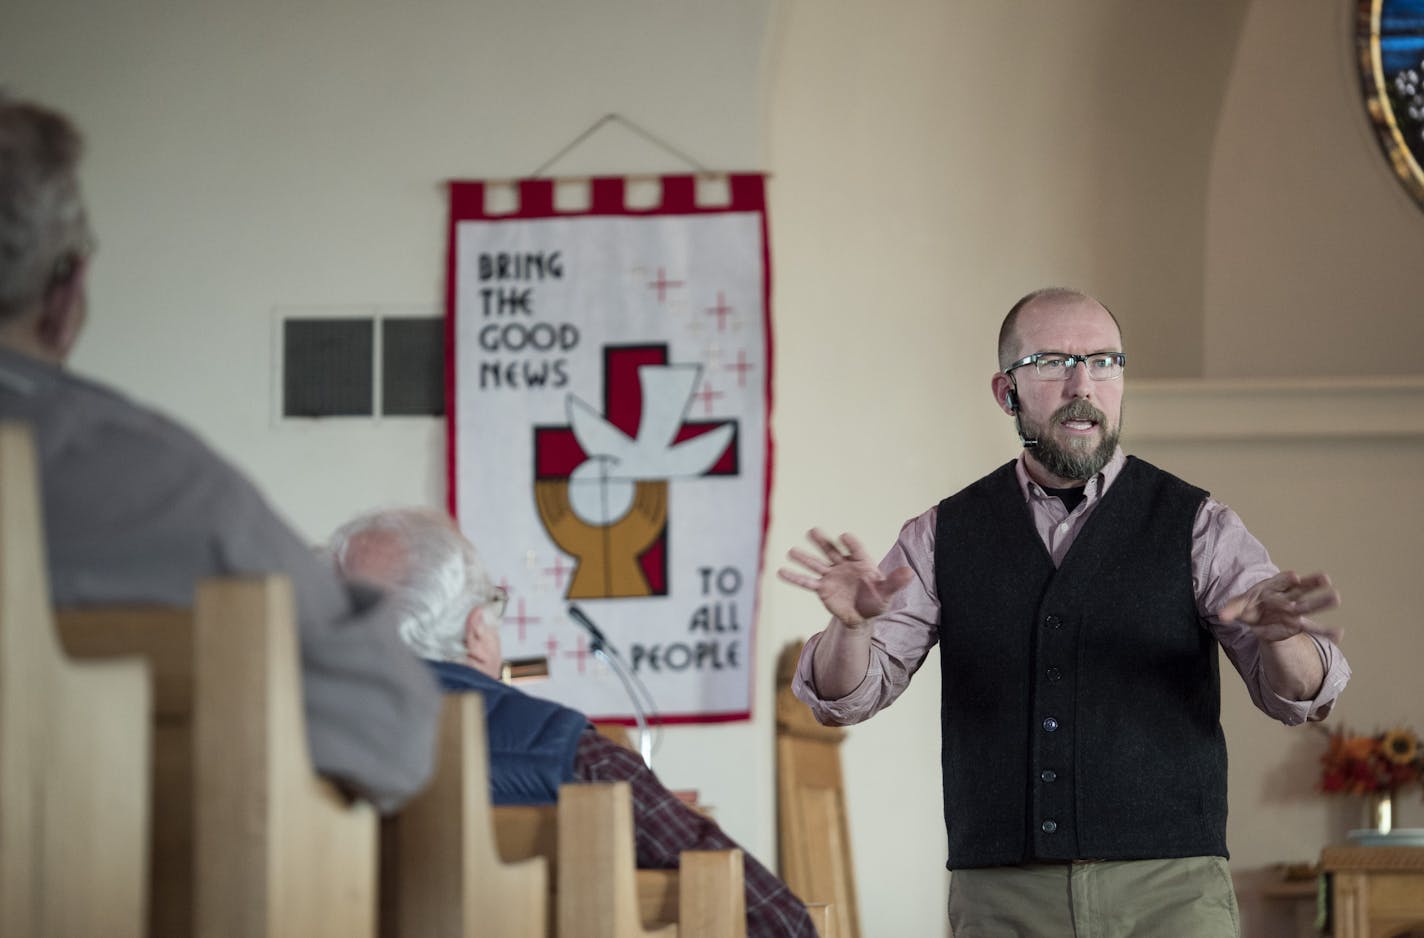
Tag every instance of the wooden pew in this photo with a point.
(74, 744)
(822, 919)
(811, 810)
(525, 831)
(712, 894)
(163, 636)
(247, 840)
(441, 874)
(453, 866)
(279, 851)
(597, 885)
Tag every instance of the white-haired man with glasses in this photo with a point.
(1079, 597)
(137, 508)
(450, 615)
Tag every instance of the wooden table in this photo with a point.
(1376, 891)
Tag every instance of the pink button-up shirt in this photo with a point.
(1226, 561)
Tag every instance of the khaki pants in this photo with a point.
(1183, 898)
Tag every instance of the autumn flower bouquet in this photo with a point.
(1368, 765)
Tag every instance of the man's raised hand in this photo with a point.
(848, 582)
(1280, 607)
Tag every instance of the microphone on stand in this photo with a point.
(599, 640)
(604, 651)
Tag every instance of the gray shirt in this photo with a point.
(137, 509)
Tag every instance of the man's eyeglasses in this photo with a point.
(1056, 366)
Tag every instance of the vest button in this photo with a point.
(1049, 827)
(1050, 724)
(1048, 775)
(1054, 674)
(1053, 622)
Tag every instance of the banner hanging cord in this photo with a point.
(650, 137)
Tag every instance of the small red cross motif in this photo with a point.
(662, 283)
(552, 645)
(522, 620)
(741, 367)
(721, 311)
(558, 570)
(706, 396)
(581, 653)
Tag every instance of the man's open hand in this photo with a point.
(848, 582)
(1281, 606)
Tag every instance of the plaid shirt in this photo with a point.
(664, 827)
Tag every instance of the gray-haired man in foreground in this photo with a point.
(137, 509)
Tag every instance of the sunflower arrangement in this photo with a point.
(1363, 765)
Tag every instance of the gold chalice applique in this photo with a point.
(614, 505)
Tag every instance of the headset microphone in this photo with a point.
(1012, 400)
(1018, 424)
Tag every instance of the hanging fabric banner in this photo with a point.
(609, 388)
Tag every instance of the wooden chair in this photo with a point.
(811, 811)
(441, 874)
(247, 840)
(74, 744)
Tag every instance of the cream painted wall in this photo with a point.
(1313, 246)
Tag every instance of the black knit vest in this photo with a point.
(1081, 706)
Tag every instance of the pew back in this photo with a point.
(441, 873)
(74, 743)
(523, 831)
(246, 839)
(163, 636)
(712, 894)
(597, 884)
(279, 851)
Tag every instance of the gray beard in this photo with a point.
(1077, 462)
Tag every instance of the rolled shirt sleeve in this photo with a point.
(1227, 560)
(902, 637)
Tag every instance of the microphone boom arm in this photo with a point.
(604, 651)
